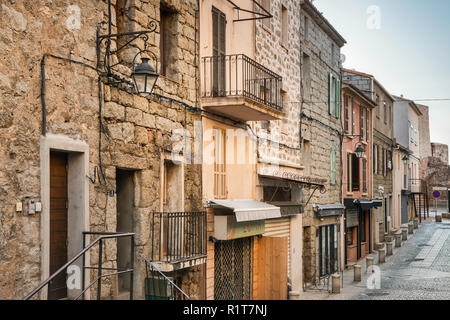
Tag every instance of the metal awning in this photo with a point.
(329, 210)
(364, 204)
(248, 210)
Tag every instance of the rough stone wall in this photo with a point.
(440, 151)
(424, 131)
(320, 134)
(136, 129)
(282, 59)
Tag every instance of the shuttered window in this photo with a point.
(334, 96)
(219, 137)
(330, 94)
(346, 114)
(338, 99)
(333, 166)
(219, 51)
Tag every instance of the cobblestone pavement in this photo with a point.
(419, 270)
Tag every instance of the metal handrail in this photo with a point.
(153, 266)
(106, 235)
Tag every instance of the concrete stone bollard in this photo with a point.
(357, 273)
(369, 262)
(416, 224)
(381, 256)
(398, 240)
(410, 228)
(388, 238)
(389, 248)
(438, 218)
(336, 283)
(404, 234)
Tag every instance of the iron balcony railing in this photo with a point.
(237, 75)
(178, 236)
(417, 186)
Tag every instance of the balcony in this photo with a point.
(179, 240)
(417, 186)
(238, 87)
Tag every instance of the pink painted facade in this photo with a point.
(357, 172)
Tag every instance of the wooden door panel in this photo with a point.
(271, 258)
(58, 223)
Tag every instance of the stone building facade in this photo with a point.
(321, 142)
(135, 137)
(382, 146)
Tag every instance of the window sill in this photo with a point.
(364, 194)
(364, 142)
(349, 193)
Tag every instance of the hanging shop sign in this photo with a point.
(227, 228)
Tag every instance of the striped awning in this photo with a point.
(248, 210)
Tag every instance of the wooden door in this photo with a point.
(270, 268)
(58, 223)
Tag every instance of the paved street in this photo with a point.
(419, 270)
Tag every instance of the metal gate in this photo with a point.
(233, 269)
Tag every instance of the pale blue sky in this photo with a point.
(409, 54)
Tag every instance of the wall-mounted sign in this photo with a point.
(436, 194)
(227, 228)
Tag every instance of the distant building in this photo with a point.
(382, 146)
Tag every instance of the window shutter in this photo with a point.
(333, 166)
(330, 90)
(338, 98)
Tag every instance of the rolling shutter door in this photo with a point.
(280, 228)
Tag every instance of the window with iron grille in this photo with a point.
(233, 269)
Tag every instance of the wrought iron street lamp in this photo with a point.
(405, 160)
(359, 152)
(144, 75)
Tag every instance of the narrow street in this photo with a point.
(419, 270)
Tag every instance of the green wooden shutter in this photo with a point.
(338, 98)
(333, 166)
(330, 89)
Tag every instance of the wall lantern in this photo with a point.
(360, 152)
(405, 160)
(144, 75)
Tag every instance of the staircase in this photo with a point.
(158, 286)
(100, 242)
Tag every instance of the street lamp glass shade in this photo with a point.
(144, 77)
(359, 152)
(405, 160)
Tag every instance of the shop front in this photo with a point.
(242, 256)
(358, 228)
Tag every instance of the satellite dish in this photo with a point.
(342, 58)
